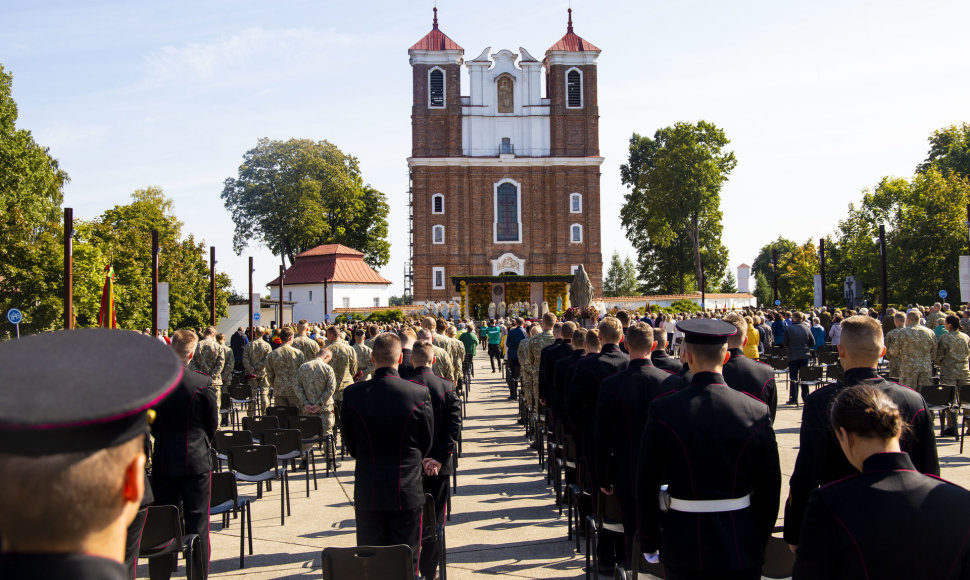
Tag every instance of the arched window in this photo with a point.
(506, 98)
(436, 88)
(575, 234)
(508, 225)
(574, 89)
(437, 203)
(575, 203)
(438, 234)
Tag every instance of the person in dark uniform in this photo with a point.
(820, 460)
(621, 413)
(388, 427)
(133, 540)
(184, 427)
(438, 465)
(659, 356)
(561, 371)
(551, 355)
(717, 452)
(747, 375)
(582, 395)
(408, 338)
(889, 521)
(72, 460)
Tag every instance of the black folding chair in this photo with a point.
(225, 440)
(164, 536)
(368, 563)
(282, 412)
(433, 533)
(640, 564)
(963, 406)
(834, 372)
(312, 430)
(576, 491)
(289, 447)
(608, 518)
(939, 398)
(779, 559)
(256, 425)
(809, 376)
(224, 500)
(240, 396)
(257, 464)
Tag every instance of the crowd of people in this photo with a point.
(671, 416)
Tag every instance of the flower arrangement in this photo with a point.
(591, 312)
(463, 293)
(516, 292)
(572, 313)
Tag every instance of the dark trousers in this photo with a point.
(438, 487)
(133, 542)
(192, 491)
(680, 574)
(628, 509)
(793, 366)
(495, 354)
(380, 528)
(514, 372)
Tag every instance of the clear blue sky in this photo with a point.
(820, 99)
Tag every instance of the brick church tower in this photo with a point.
(503, 180)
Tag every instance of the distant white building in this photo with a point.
(744, 278)
(327, 277)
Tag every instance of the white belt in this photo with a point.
(703, 506)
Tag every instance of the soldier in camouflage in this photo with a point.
(344, 363)
(454, 348)
(913, 350)
(533, 348)
(458, 355)
(935, 316)
(254, 365)
(953, 357)
(899, 320)
(283, 370)
(435, 328)
(365, 365)
(372, 332)
(304, 343)
(227, 368)
(315, 389)
(965, 322)
(209, 357)
(442, 360)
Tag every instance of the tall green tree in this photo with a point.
(797, 274)
(672, 213)
(294, 195)
(621, 277)
(31, 192)
(949, 151)
(762, 264)
(762, 290)
(729, 285)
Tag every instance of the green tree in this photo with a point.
(797, 274)
(621, 277)
(762, 290)
(672, 213)
(122, 236)
(762, 265)
(31, 192)
(294, 195)
(949, 151)
(730, 284)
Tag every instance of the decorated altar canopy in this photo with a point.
(478, 292)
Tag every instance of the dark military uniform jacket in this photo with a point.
(447, 417)
(560, 377)
(61, 566)
(184, 426)
(887, 522)
(541, 369)
(387, 425)
(709, 442)
(752, 377)
(582, 392)
(547, 367)
(820, 459)
(664, 361)
(621, 413)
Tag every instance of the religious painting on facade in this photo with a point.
(505, 96)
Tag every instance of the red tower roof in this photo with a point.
(436, 40)
(572, 41)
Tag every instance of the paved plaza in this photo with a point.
(505, 522)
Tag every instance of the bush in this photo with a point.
(395, 315)
(684, 305)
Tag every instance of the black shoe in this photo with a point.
(792, 401)
(949, 432)
(511, 398)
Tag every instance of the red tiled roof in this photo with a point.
(436, 40)
(330, 263)
(572, 42)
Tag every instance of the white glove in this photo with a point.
(652, 558)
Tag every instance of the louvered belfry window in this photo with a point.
(574, 89)
(437, 88)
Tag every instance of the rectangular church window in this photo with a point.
(507, 213)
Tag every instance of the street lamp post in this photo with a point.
(212, 290)
(154, 282)
(68, 268)
(882, 257)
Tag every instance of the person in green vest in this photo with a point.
(494, 334)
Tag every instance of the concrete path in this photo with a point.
(504, 520)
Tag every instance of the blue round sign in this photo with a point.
(942, 293)
(256, 316)
(14, 316)
(777, 302)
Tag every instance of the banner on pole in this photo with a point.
(964, 278)
(163, 306)
(817, 288)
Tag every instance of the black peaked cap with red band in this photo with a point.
(706, 330)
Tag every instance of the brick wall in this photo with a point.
(436, 132)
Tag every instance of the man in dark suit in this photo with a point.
(388, 427)
(561, 372)
(716, 450)
(746, 375)
(551, 355)
(582, 395)
(621, 413)
(438, 465)
(659, 356)
(820, 459)
(184, 426)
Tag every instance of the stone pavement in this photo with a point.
(504, 521)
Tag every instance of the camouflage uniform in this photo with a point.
(283, 371)
(344, 365)
(209, 359)
(913, 350)
(525, 371)
(365, 366)
(935, 318)
(952, 356)
(891, 337)
(307, 346)
(532, 354)
(229, 366)
(316, 387)
(442, 363)
(965, 325)
(254, 363)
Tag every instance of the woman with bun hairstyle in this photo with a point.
(890, 521)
